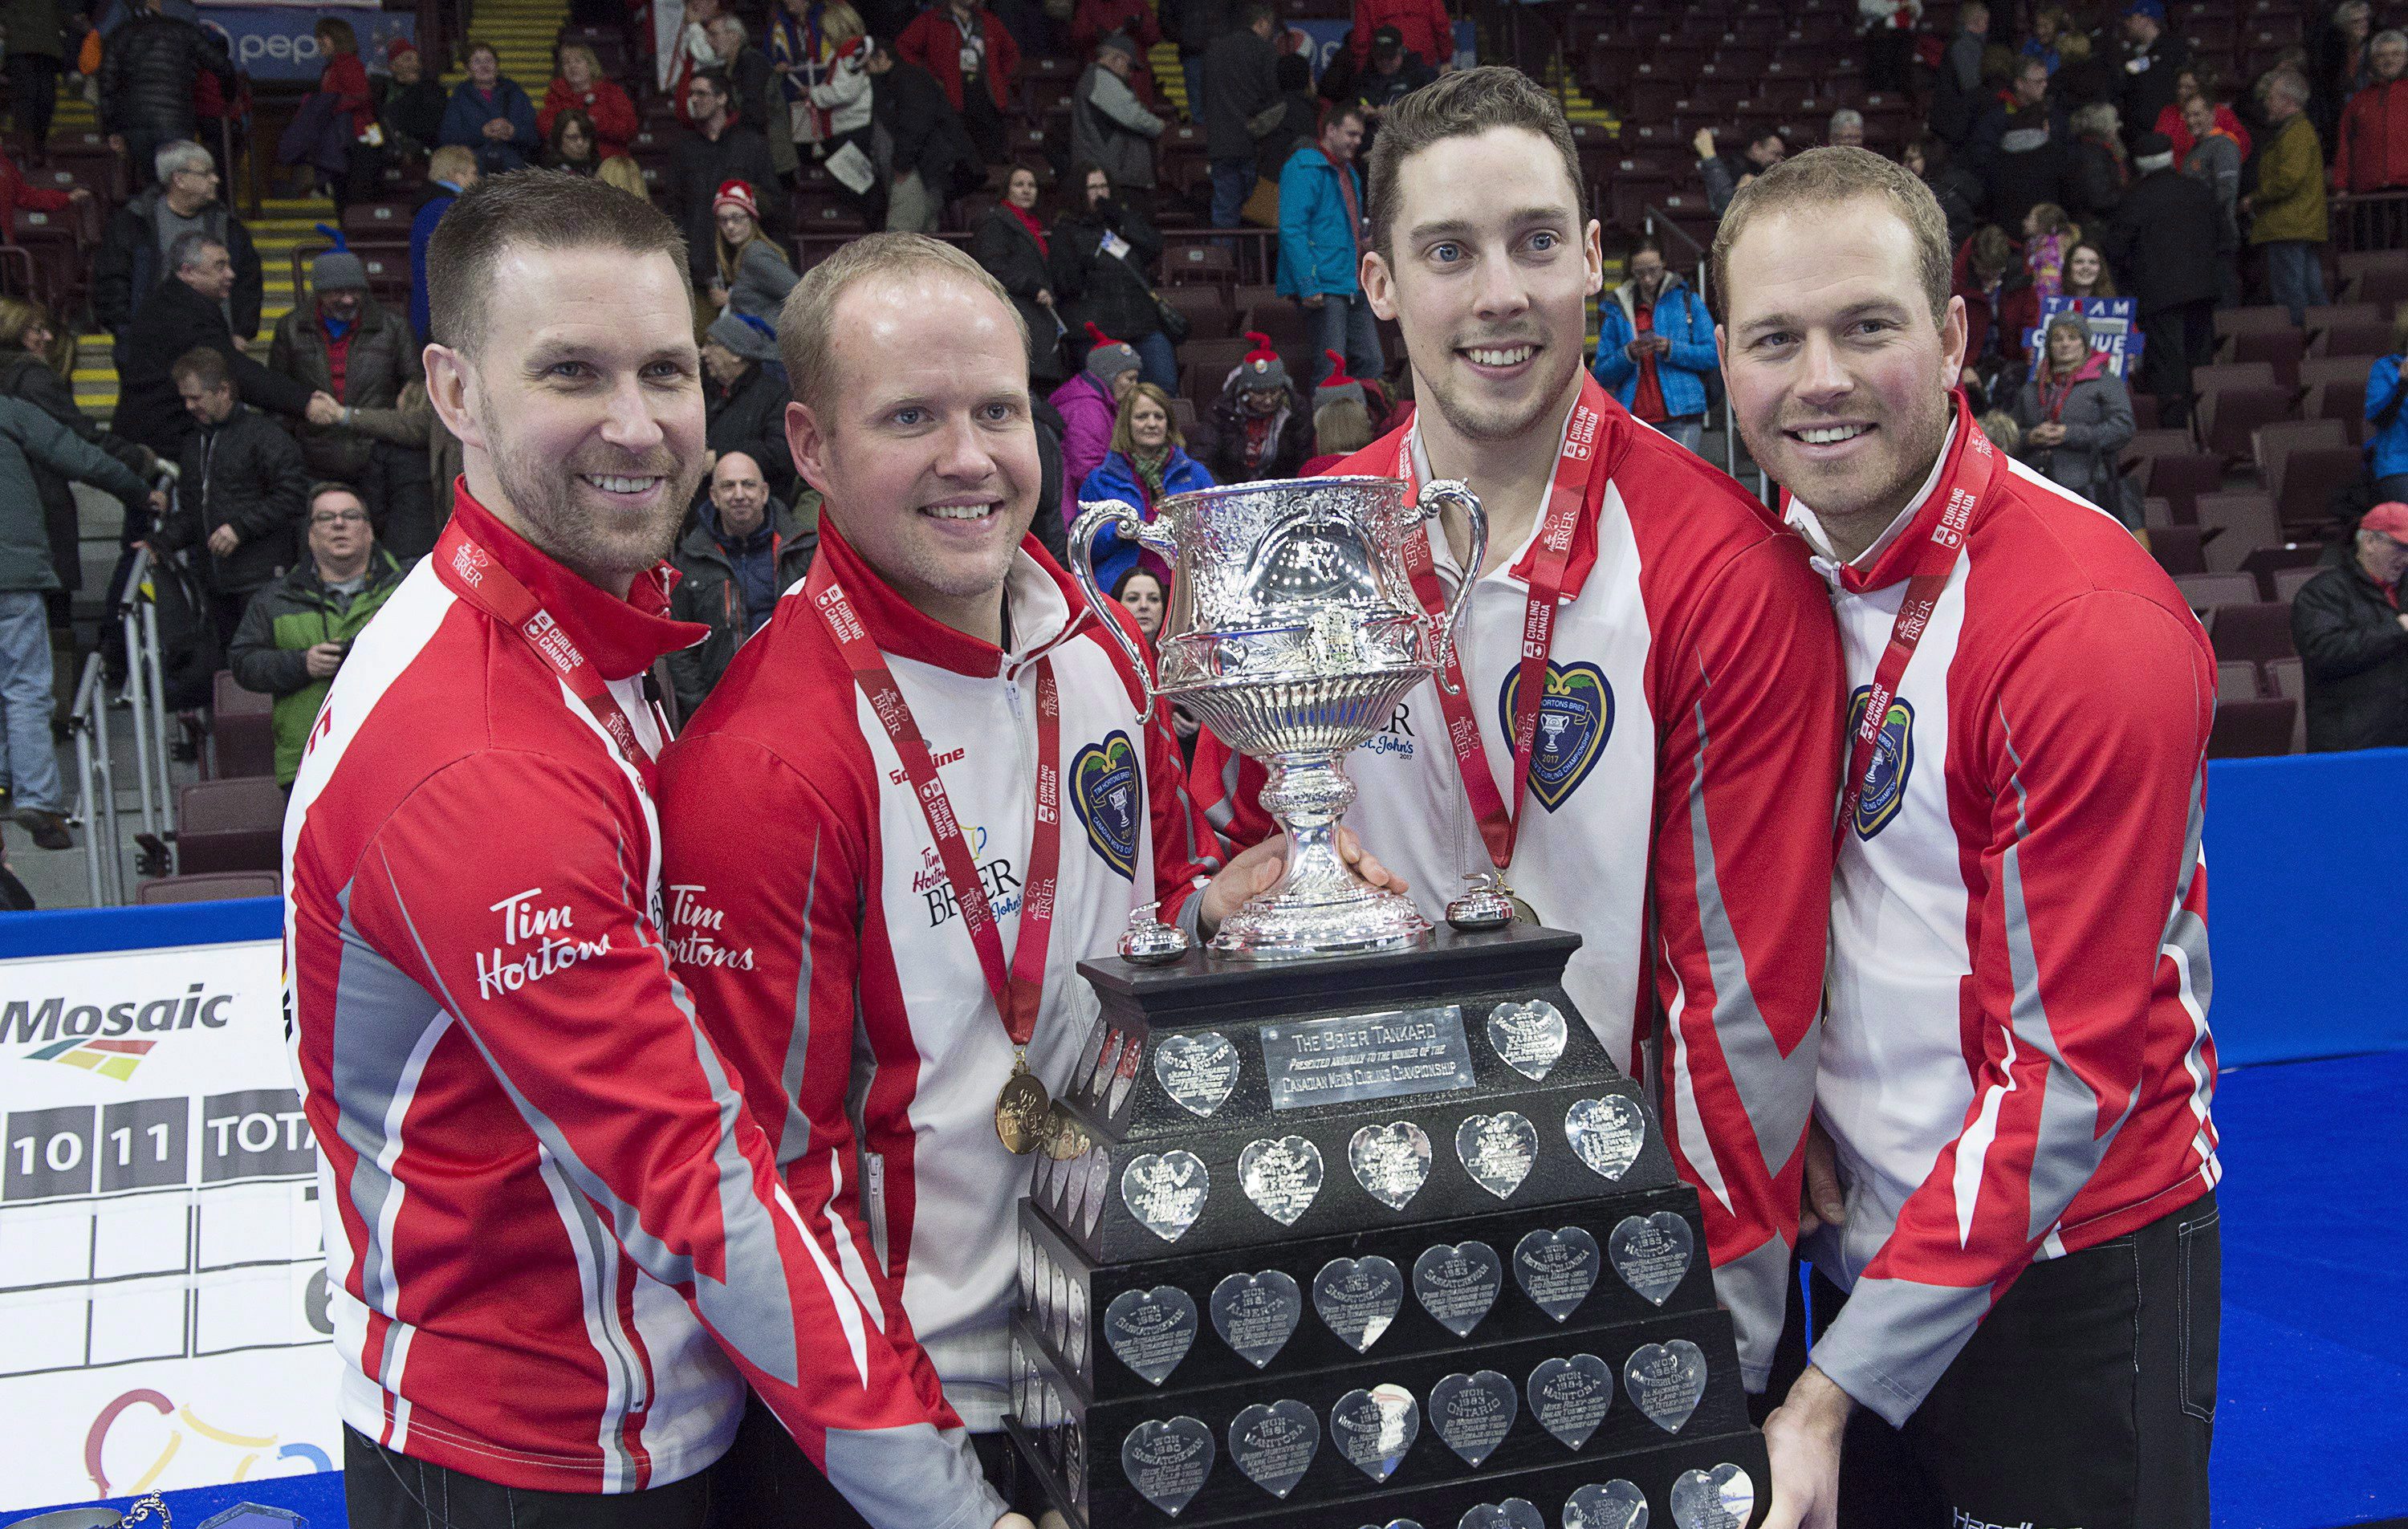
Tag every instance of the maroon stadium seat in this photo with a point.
(2177, 549)
(2272, 443)
(2228, 419)
(2307, 479)
(2288, 677)
(2180, 478)
(242, 738)
(209, 887)
(2251, 633)
(2252, 729)
(2268, 564)
(2236, 682)
(1209, 317)
(2287, 582)
(2218, 376)
(2236, 526)
(385, 223)
(2234, 321)
(2207, 591)
(230, 825)
(2280, 349)
(2352, 336)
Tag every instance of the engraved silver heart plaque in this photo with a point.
(1557, 1269)
(1473, 1413)
(1529, 1037)
(1280, 1177)
(1720, 1498)
(1168, 1461)
(1358, 1297)
(1513, 1513)
(1652, 1253)
(1498, 1150)
(1569, 1397)
(1391, 1161)
(1274, 1445)
(1255, 1314)
(1151, 1330)
(1606, 1505)
(1374, 1428)
(1606, 1133)
(1458, 1285)
(1665, 1380)
(1165, 1191)
(1196, 1071)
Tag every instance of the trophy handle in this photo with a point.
(1435, 496)
(1126, 519)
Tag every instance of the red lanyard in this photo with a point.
(1016, 995)
(1933, 566)
(475, 575)
(1567, 494)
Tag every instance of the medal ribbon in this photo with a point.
(475, 575)
(1015, 995)
(1935, 562)
(1567, 494)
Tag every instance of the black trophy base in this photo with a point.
(1728, 1485)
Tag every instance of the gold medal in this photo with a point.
(1020, 1108)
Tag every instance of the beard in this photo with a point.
(594, 543)
(1500, 419)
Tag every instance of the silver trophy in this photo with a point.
(1292, 632)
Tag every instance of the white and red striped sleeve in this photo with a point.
(512, 886)
(1748, 693)
(2078, 832)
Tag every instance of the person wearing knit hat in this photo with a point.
(1263, 429)
(1341, 420)
(749, 272)
(1090, 404)
(412, 116)
(2169, 237)
(745, 403)
(355, 356)
(1337, 386)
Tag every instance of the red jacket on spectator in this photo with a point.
(1427, 27)
(2170, 122)
(17, 192)
(613, 114)
(934, 42)
(1096, 20)
(2370, 147)
(2018, 306)
(346, 79)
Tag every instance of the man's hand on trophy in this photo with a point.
(1257, 870)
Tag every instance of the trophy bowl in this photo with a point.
(1292, 631)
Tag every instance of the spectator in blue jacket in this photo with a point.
(2386, 415)
(1655, 348)
(490, 114)
(1321, 242)
(1148, 459)
(450, 170)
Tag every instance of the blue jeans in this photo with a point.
(2296, 275)
(1191, 65)
(1157, 362)
(25, 695)
(1233, 181)
(1348, 327)
(1688, 429)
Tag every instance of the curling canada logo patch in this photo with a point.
(1893, 762)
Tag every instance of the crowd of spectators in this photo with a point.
(2077, 152)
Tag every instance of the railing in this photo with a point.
(2369, 221)
(96, 756)
(1223, 257)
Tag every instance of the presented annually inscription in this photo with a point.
(1367, 1056)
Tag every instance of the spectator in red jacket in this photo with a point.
(2371, 150)
(346, 79)
(17, 192)
(1427, 27)
(2000, 309)
(581, 84)
(1096, 20)
(961, 41)
(2175, 122)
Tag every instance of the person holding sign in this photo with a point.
(1640, 742)
(2077, 419)
(2015, 1066)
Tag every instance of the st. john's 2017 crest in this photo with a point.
(1109, 797)
(1575, 718)
(1893, 762)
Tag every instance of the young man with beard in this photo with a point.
(2015, 1068)
(1644, 739)
(960, 800)
(558, 1246)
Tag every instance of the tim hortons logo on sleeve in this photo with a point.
(551, 933)
(695, 931)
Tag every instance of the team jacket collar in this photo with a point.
(619, 637)
(1379, 460)
(1891, 559)
(1047, 610)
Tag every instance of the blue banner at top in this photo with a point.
(279, 44)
